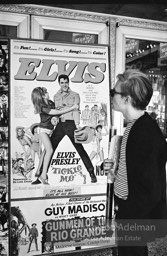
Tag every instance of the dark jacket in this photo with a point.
(146, 155)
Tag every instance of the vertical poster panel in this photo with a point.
(38, 64)
(4, 117)
(59, 225)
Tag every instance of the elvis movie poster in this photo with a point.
(71, 159)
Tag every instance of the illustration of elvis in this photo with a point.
(68, 123)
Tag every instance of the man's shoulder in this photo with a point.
(57, 94)
(73, 93)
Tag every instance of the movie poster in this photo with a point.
(38, 64)
(57, 225)
(4, 117)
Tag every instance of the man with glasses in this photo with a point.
(140, 182)
(113, 92)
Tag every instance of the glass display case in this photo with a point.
(151, 58)
(74, 31)
(143, 46)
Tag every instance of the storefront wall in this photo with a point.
(45, 23)
(34, 21)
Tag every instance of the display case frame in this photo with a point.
(147, 32)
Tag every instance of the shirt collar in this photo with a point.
(62, 92)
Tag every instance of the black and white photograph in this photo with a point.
(83, 129)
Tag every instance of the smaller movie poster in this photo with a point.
(57, 225)
(4, 227)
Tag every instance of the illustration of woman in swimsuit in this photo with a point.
(24, 141)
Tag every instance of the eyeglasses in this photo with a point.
(113, 92)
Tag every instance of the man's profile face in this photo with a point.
(64, 84)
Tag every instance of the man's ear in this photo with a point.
(127, 99)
